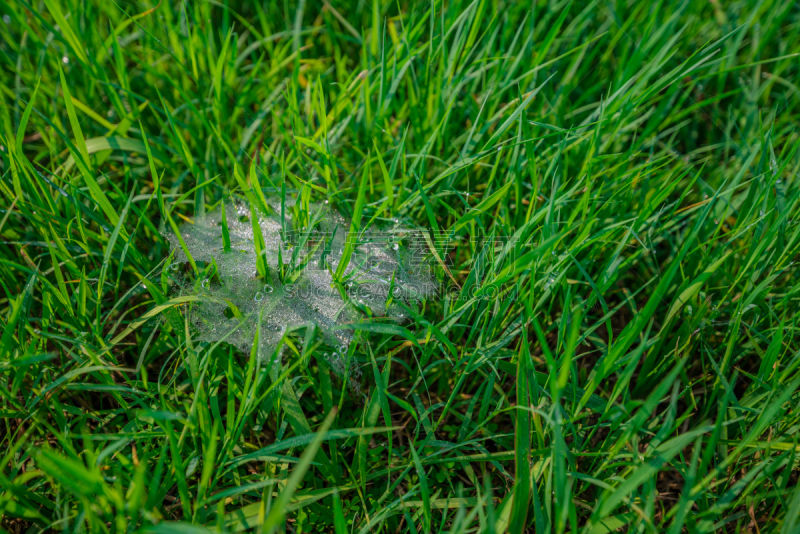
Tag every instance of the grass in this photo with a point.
(619, 348)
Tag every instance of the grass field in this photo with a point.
(618, 349)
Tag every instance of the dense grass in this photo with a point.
(620, 184)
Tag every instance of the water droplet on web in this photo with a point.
(395, 246)
(205, 283)
(246, 291)
(65, 59)
(761, 213)
(326, 202)
(716, 221)
(705, 197)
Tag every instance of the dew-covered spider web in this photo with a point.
(389, 269)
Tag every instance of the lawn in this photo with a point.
(590, 320)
